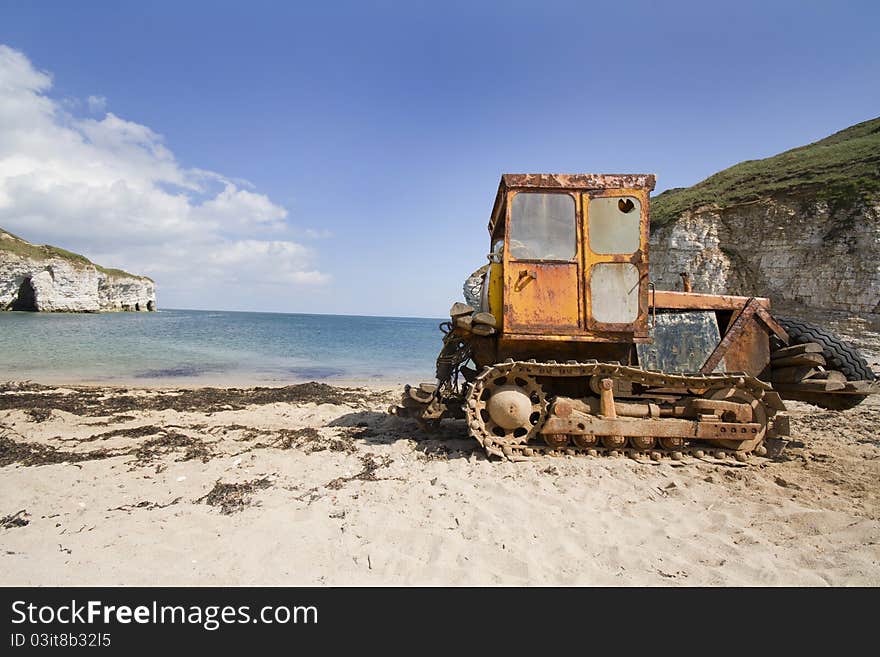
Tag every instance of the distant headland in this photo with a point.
(38, 277)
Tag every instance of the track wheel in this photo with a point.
(613, 442)
(508, 408)
(585, 441)
(675, 444)
(555, 440)
(642, 442)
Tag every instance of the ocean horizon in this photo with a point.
(216, 347)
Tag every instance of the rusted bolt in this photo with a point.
(563, 409)
(685, 281)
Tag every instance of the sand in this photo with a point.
(316, 485)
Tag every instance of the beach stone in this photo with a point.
(460, 309)
(485, 318)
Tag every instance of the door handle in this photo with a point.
(525, 275)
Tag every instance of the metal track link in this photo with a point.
(648, 378)
(683, 456)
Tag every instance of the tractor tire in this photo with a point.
(839, 355)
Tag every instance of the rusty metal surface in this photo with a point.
(742, 412)
(532, 292)
(580, 181)
(585, 336)
(811, 385)
(580, 423)
(733, 333)
(772, 324)
(561, 181)
(670, 300)
(845, 388)
(750, 352)
(547, 374)
(655, 435)
(833, 395)
(577, 348)
(638, 258)
(564, 406)
(541, 297)
(682, 342)
(685, 281)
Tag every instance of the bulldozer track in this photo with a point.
(522, 447)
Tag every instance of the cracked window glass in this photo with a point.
(615, 224)
(542, 227)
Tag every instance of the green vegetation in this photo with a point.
(13, 244)
(843, 169)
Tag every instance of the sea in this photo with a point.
(194, 347)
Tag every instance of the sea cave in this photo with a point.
(27, 297)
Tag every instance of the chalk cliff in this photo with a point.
(49, 279)
(802, 227)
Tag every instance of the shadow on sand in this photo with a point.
(450, 440)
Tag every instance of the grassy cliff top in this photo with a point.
(843, 169)
(14, 244)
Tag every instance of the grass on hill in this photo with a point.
(843, 169)
(20, 247)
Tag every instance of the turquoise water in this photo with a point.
(188, 346)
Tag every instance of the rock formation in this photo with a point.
(802, 227)
(45, 278)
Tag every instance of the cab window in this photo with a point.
(614, 224)
(542, 227)
(614, 287)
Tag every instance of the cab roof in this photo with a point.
(573, 181)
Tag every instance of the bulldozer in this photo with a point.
(565, 347)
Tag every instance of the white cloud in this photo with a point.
(269, 258)
(96, 103)
(240, 207)
(111, 189)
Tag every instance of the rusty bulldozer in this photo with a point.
(566, 348)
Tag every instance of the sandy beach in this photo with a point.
(229, 237)
(315, 485)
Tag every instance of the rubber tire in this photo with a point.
(839, 355)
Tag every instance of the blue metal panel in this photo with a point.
(682, 342)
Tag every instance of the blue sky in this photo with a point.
(360, 144)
